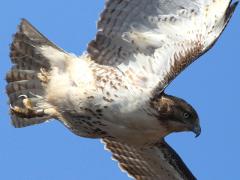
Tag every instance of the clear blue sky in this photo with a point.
(50, 152)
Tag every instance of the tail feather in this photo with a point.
(20, 122)
(23, 87)
(24, 78)
(18, 74)
(24, 52)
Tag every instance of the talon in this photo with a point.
(27, 104)
(15, 108)
(27, 110)
(23, 96)
(18, 110)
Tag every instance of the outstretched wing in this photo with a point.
(154, 40)
(159, 162)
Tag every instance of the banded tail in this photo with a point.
(28, 77)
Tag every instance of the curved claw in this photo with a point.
(23, 96)
(27, 104)
(11, 107)
(16, 109)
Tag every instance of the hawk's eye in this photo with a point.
(186, 115)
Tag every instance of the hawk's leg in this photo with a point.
(28, 110)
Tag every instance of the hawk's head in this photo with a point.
(176, 114)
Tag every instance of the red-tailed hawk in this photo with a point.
(115, 91)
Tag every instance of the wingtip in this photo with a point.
(230, 11)
(23, 20)
(234, 5)
(24, 23)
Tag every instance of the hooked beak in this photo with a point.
(197, 130)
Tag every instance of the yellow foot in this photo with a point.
(27, 111)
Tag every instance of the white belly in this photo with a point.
(123, 112)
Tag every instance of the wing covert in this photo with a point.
(157, 38)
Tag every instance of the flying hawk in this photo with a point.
(115, 91)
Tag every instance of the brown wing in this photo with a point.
(159, 162)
